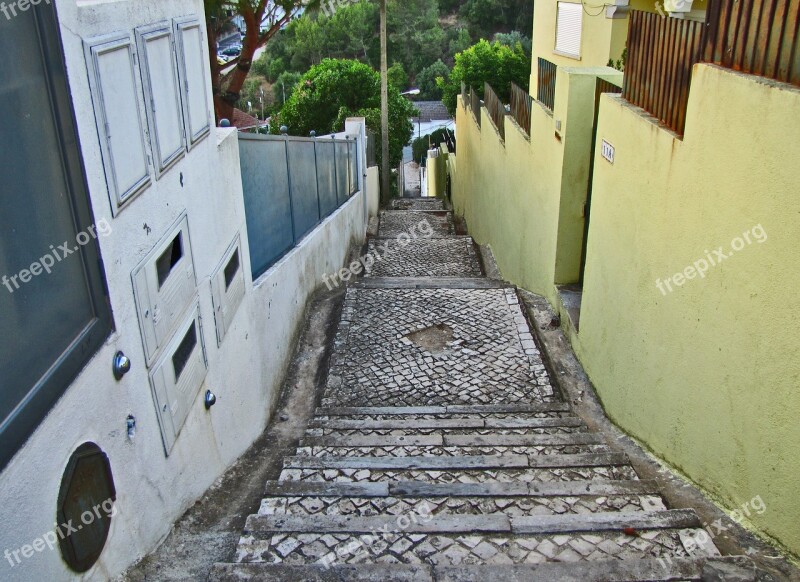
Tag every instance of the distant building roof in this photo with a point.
(431, 111)
(242, 120)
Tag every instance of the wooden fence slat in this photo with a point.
(660, 73)
(776, 40)
(753, 34)
(789, 44)
(740, 53)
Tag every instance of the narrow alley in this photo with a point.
(443, 450)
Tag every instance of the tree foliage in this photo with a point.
(493, 63)
(397, 76)
(336, 89)
(426, 80)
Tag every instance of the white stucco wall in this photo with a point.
(245, 372)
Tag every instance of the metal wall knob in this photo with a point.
(121, 365)
(210, 399)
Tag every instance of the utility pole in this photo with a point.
(384, 110)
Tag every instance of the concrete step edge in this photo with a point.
(460, 440)
(446, 423)
(492, 523)
(429, 283)
(472, 462)
(640, 570)
(445, 409)
(423, 490)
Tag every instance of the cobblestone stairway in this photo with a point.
(442, 451)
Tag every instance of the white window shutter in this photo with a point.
(568, 29)
(161, 94)
(120, 125)
(193, 77)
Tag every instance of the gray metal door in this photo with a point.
(53, 310)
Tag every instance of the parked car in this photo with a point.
(231, 51)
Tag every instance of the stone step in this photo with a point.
(451, 257)
(410, 222)
(634, 570)
(491, 489)
(450, 409)
(510, 461)
(408, 432)
(466, 476)
(454, 540)
(463, 505)
(398, 451)
(455, 549)
(429, 283)
(454, 440)
(497, 523)
(443, 423)
(417, 204)
(263, 572)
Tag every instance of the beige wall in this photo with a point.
(707, 375)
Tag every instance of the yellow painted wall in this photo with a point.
(708, 375)
(524, 197)
(499, 189)
(543, 189)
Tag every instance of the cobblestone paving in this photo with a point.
(511, 506)
(402, 346)
(490, 356)
(397, 223)
(443, 257)
(464, 549)
(418, 204)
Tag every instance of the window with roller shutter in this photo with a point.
(568, 29)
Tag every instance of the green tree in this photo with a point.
(493, 63)
(460, 41)
(426, 80)
(251, 95)
(512, 38)
(284, 85)
(357, 25)
(397, 76)
(337, 89)
(486, 17)
(415, 37)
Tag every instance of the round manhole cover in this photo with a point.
(85, 507)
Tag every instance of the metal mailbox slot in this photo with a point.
(227, 288)
(178, 376)
(164, 285)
